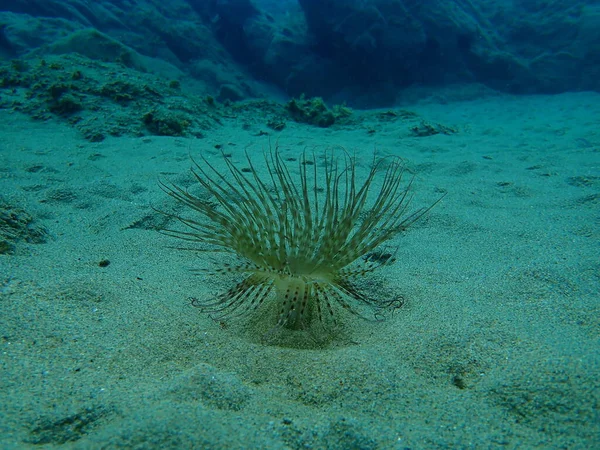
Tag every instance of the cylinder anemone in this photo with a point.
(302, 240)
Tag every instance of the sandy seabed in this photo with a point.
(496, 346)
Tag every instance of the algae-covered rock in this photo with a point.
(314, 111)
(166, 123)
(16, 225)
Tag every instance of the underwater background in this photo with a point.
(492, 104)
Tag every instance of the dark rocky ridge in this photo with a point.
(363, 52)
